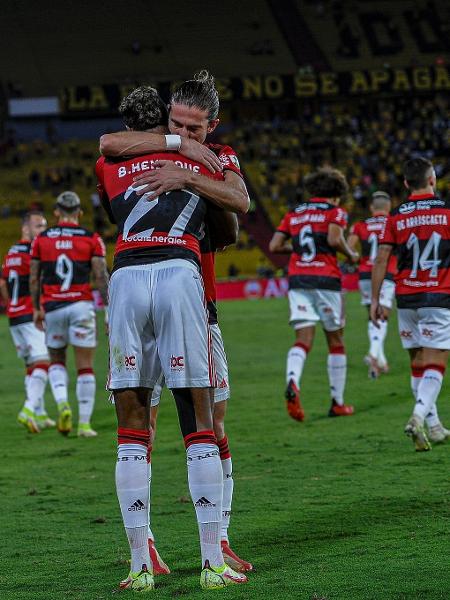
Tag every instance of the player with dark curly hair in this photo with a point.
(316, 228)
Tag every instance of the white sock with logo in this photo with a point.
(337, 374)
(37, 381)
(296, 358)
(57, 375)
(374, 339)
(228, 486)
(85, 391)
(206, 487)
(133, 495)
(427, 392)
(432, 418)
(28, 404)
(382, 333)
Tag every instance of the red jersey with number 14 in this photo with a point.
(313, 263)
(419, 230)
(65, 252)
(16, 272)
(368, 232)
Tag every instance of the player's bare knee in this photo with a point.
(305, 336)
(57, 355)
(132, 407)
(84, 357)
(202, 406)
(219, 419)
(335, 339)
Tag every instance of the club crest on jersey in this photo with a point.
(234, 160)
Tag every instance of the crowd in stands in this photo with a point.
(368, 139)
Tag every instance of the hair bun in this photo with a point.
(204, 76)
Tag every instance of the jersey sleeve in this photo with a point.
(35, 251)
(284, 226)
(355, 229)
(99, 173)
(387, 235)
(104, 199)
(229, 160)
(98, 246)
(339, 216)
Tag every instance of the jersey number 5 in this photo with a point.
(306, 241)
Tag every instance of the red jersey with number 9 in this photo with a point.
(313, 263)
(419, 230)
(65, 252)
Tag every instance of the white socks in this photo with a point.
(205, 485)
(432, 418)
(374, 339)
(382, 335)
(85, 391)
(428, 391)
(132, 476)
(36, 386)
(337, 374)
(295, 362)
(57, 375)
(228, 485)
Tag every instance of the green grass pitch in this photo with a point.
(338, 509)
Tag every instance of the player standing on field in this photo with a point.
(158, 252)
(193, 114)
(29, 341)
(367, 233)
(316, 228)
(419, 232)
(63, 257)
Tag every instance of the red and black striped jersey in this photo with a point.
(16, 272)
(368, 232)
(313, 263)
(419, 230)
(229, 160)
(208, 259)
(65, 252)
(166, 227)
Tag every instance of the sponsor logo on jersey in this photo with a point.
(407, 335)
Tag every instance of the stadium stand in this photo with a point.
(361, 35)
(367, 139)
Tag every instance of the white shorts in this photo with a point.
(29, 342)
(308, 307)
(387, 292)
(72, 324)
(222, 391)
(426, 327)
(158, 323)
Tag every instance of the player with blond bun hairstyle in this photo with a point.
(225, 189)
